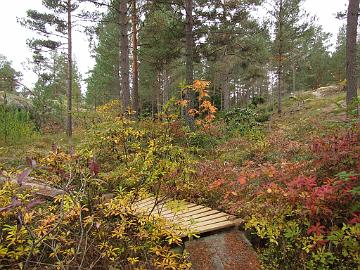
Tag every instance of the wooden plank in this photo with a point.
(166, 209)
(143, 202)
(210, 221)
(161, 206)
(185, 211)
(150, 206)
(149, 202)
(37, 188)
(166, 213)
(215, 227)
(198, 210)
(212, 216)
(187, 217)
(205, 214)
(190, 219)
(194, 223)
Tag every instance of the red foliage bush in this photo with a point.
(338, 153)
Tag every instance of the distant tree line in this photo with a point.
(145, 49)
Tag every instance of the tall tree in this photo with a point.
(338, 57)
(351, 66)
(135, 68)
(124, 53)
(280, 52)
(49, 95)
(104, 83)
(9, 77)
(290, 25)
(159, 55)
(233, 47)
(55, 26)
(69, 71)
(189, 51)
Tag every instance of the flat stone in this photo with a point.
(228, 250)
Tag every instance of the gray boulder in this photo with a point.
(15, 101)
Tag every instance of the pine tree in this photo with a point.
(134, 52)
(288, 19)
(55, 26)
(351, 65)
(124, 53)
(9, 77)
(103, 83)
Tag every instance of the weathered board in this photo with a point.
(190, 217)
(38, 188)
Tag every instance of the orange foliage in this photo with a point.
(206, 110)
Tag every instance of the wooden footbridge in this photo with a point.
(190, 217)
(222, 249)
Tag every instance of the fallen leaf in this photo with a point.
(242, 180)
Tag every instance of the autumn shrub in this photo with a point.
(209, 182)
(66, 233)
(284, 147)
(305, 223)
(339, 152)
(309, 216)
(131, 156)
(85, 229)
(201, 131)
(201, 140)
(299, 201)
(252, 144)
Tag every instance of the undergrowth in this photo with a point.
(293, 179)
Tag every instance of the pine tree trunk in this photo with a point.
(166, 85)
(226, 92)
(189, 58)
(117, 90)
(351, 68)
(280, 56)
(158, 92)
(124, 55)
(69, 73)
(293, 78)
(135, 67)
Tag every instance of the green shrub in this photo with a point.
(15, 126)
(241, 119)
(257, 100)
(263, 117)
